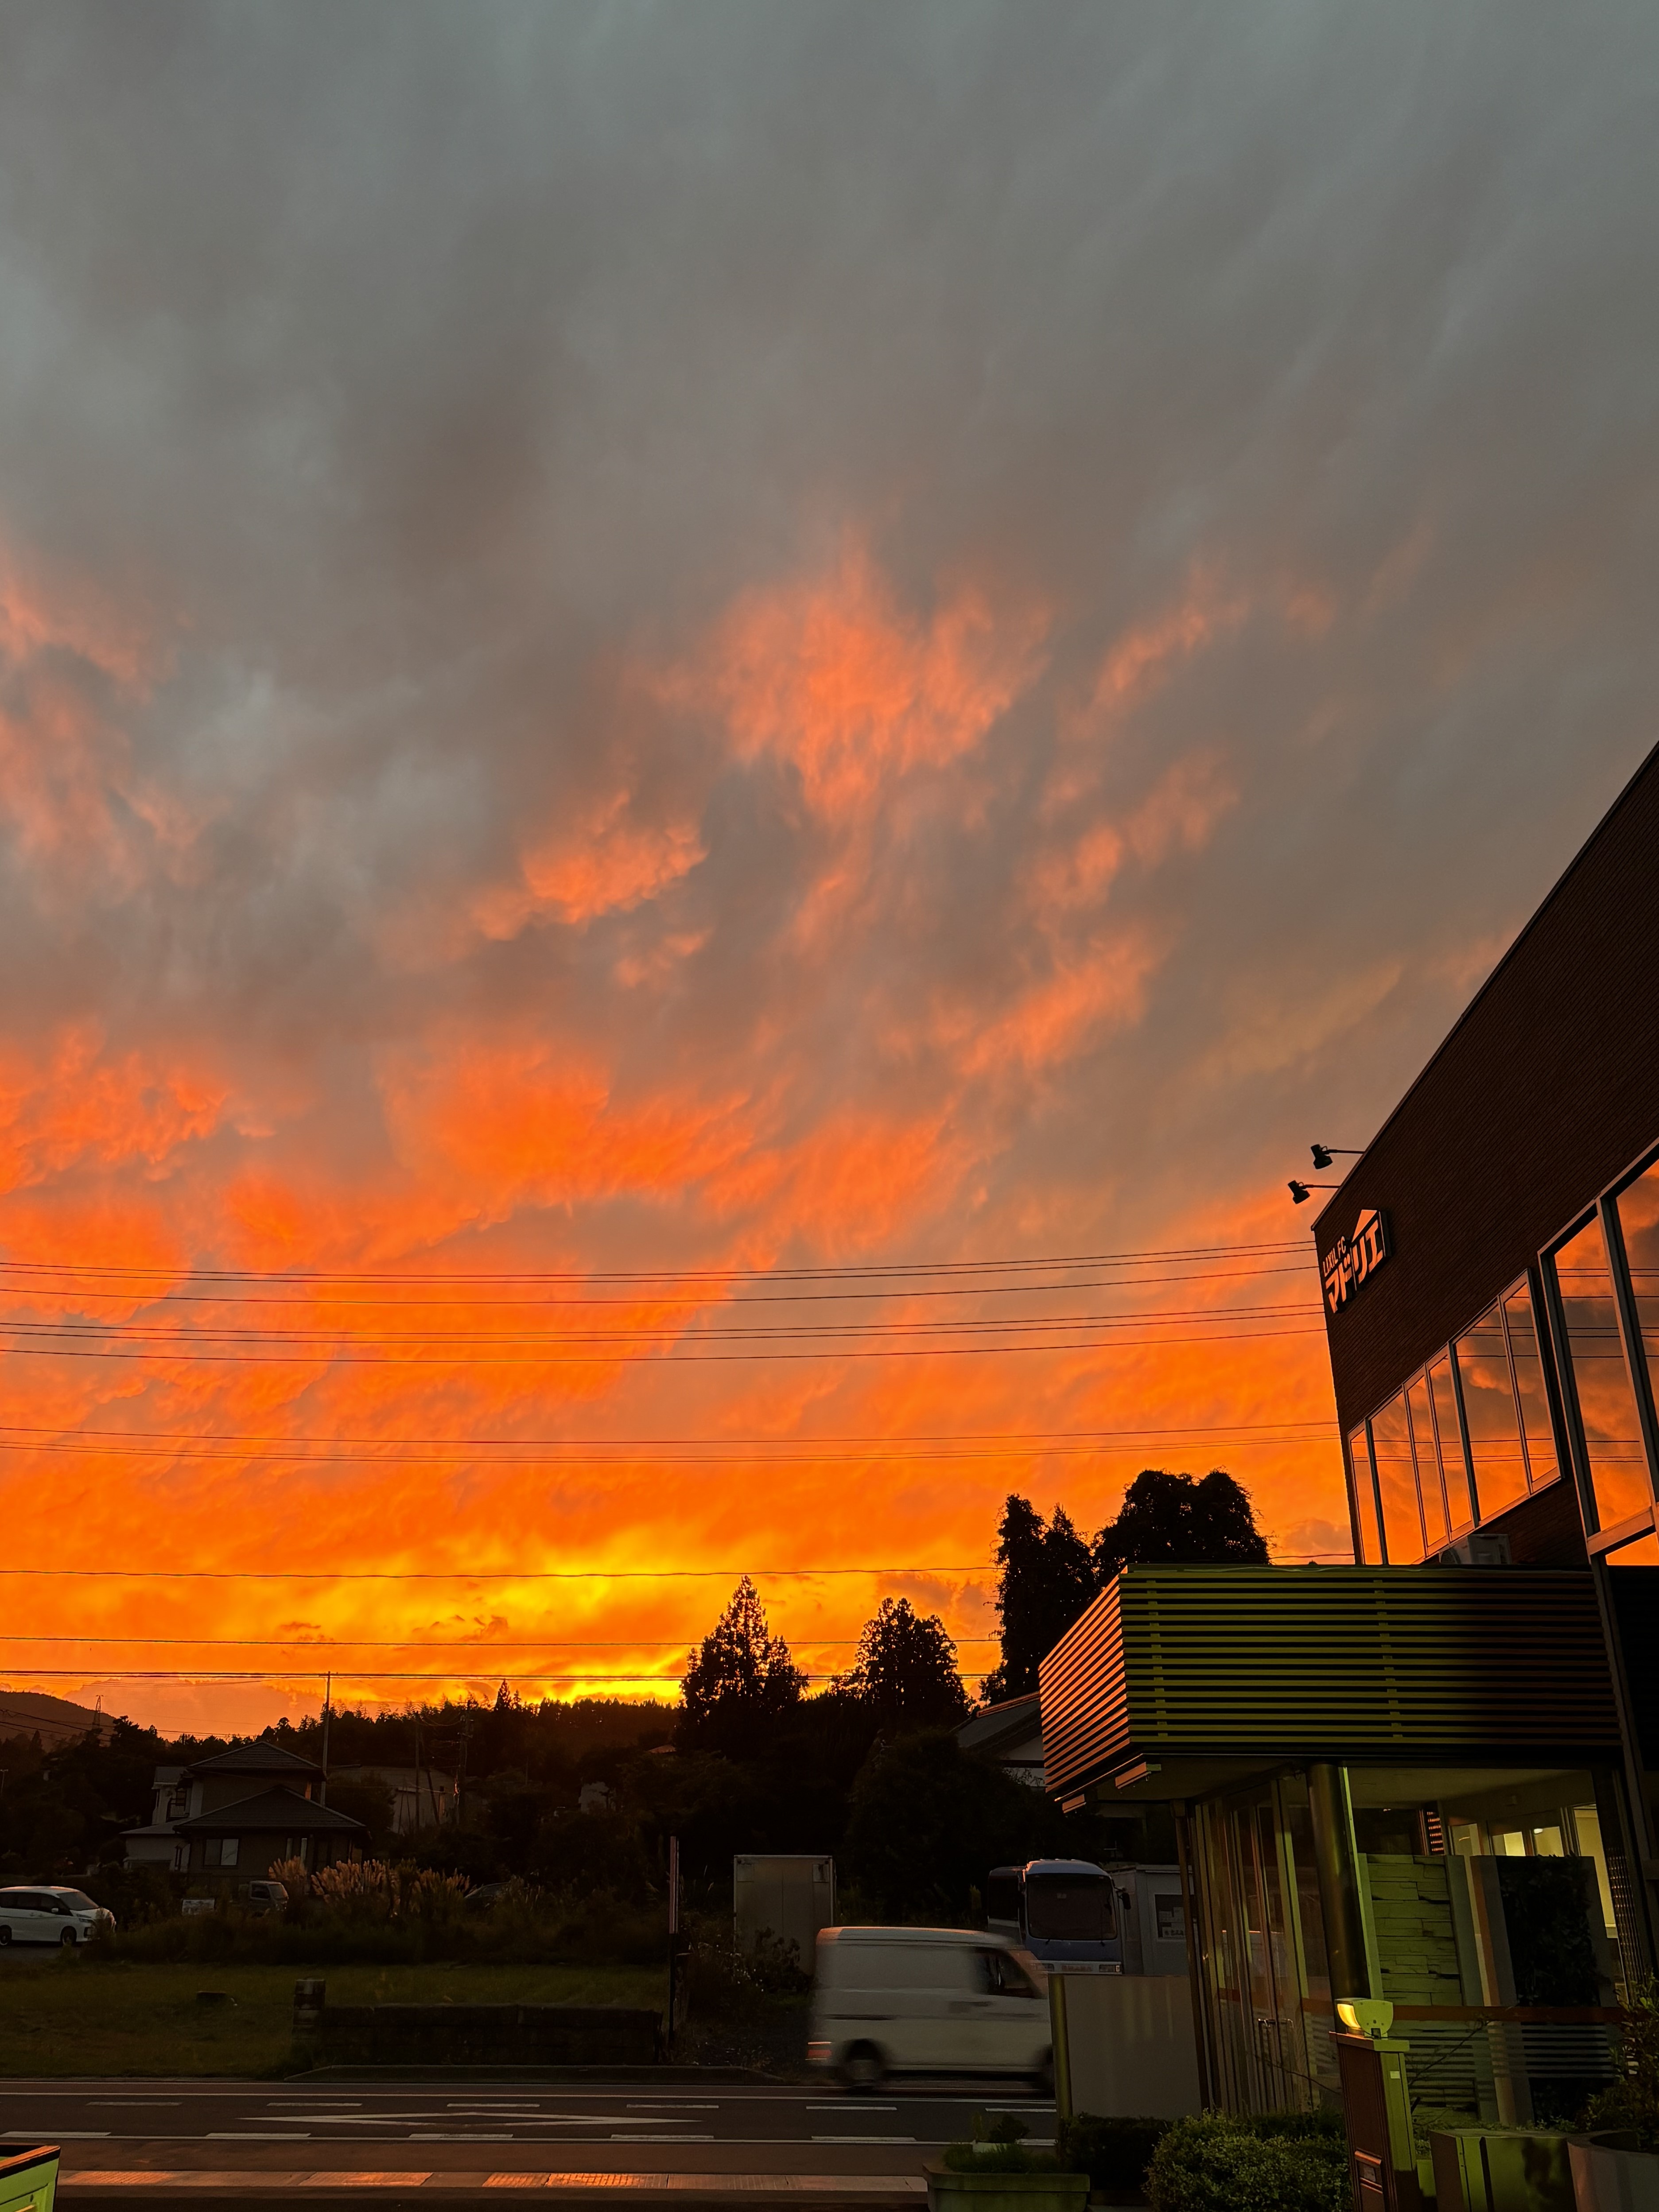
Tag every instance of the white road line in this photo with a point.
(238, 2135)
(864, 2139)
(863, 2184)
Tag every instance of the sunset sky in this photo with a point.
(675, 680)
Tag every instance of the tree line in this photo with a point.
(869, 1767)
(743, 1679)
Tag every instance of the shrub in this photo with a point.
(998, 2158)
(361, 1889)
(998, 2147)
(1113, 2153)
(1321, 2124)
(1219, 2164)
(1633, 2103)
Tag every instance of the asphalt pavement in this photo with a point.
(122, 2139)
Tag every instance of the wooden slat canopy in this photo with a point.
(1438, 1664)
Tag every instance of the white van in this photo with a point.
(50, 1915)
(927, 2001)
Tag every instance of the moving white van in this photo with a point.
(927, 2001)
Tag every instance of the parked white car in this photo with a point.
(47, 1914)
(927, 2001)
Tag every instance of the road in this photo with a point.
(463, 2133)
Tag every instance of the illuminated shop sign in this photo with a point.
(1354, 1260)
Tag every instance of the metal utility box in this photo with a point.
(1152, 1914)
(1131, 2049)
(788, 1894)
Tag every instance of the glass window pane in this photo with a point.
(1535, 1420)
(1397, 1480)
(1364, 1492)
(1459, 1512)
(1612, 1441)
(1494, 1419)
(1435, 1527)
(1638, 1217)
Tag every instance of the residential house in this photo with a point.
(229, 1818)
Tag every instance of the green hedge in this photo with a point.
(1113, 2153)
(1264, 2162)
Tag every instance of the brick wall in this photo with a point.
(1546, 1089)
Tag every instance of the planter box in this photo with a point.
(1606, 2180)
(1005, 2192)
(28, 2183)
(1479, 2170)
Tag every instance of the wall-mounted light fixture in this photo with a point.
(1324, 1154)
(1299, 1190)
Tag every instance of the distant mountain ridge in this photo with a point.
(56, 1720)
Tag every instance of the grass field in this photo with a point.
(67, 2015)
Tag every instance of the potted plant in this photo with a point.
(995, 2173)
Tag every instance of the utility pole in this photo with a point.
(328, 1699)
(673, 1931)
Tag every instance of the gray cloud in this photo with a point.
(430, 391)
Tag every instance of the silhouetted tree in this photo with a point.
(740, 1680)
(906, 1667)
(927, 1822)
(1048, 1580)
(1171, 1517)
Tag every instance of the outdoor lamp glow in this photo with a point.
(1365, 2015)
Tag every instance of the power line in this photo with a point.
(873, 1271)
(321, 1673)
(695, 1303)
(336, 1358)
(409, 1642)
(213, 1454)
(723, 1446)
(833, 1331)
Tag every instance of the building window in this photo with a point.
(1615, 1459)
(1537, 1427)
(1364, 1492)
(1464, 1441)
(1449, 1432)
(1492, 1412)
(1638, 1219)
(1396, 1483)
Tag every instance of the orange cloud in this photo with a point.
(609, 864)
(850, 1090)
(78, 1107)
(833, 677)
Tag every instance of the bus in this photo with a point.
(1077, 1917)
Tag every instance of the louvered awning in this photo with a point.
(1180, 1677)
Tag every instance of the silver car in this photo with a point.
(48, 1914)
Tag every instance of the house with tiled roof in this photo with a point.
(230, 1818)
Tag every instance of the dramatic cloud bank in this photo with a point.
(709, 637)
